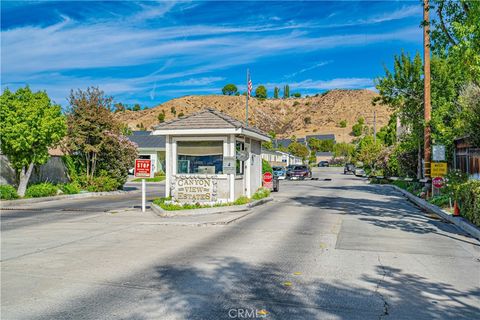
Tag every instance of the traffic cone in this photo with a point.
(456, 209)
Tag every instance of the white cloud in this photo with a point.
(317, 65)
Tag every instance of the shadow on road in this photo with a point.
(212, 291)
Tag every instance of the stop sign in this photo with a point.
(438, 182)
(267, 177)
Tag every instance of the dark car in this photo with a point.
(299, 172)
(323, 163)
(349, 168)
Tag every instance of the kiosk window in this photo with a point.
(200, 157)
(240, 146)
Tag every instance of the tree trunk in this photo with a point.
(24, 177)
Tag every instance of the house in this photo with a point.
(321, 137)
(150, 147)
(280, 158)
(466, 157)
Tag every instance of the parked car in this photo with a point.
(299, 172)
(349, 168)
(279, 172)
(323, 163)
(359, 172)
(289, 168)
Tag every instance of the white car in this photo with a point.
(359, 172)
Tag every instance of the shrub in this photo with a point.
(441, 200)
(7, 192)
(296, 103)
(103, 183)
(45, 189)
(343, 124)
(261, 193)
(307, 120)
(357, 129)
(70, 188)
(266, 167)
(468, 194)
(241, 200)
(297, 94)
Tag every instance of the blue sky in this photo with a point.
(149, 52)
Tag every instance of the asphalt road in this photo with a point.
(339, 249)
(53, 211)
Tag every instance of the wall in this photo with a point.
(53, 171)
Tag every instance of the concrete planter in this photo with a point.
(460, 222)
(191, 212)
(10, 203)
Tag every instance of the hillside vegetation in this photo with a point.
(320, 114)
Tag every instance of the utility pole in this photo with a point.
(426, 95)
(375, 126)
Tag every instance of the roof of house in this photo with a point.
(148, 141)
(286, 142)
(141, 133)
(321, 137)
(208, 118)
(323, 154)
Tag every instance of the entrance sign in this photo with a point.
(438, 169)
(268, 180)
(438, 182)
(229, 165)
(194, 188)
(438, 152)
(143, 168)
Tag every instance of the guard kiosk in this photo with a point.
(211, 157)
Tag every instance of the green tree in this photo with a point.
(137, 107)
(230, 89)
(88, 119)
(357, 130)
(343, 150)
(298, 149)
(368, 151)
(173, 111)
(261, 92)
(161, 116)
(342, 124)
(276, 91)
(286, 91)
(456, 35)
(297, 94)
(470, 100)
(30, 124)
(119, 107)
(388, 133)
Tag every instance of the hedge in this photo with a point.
(41, 190)
(468, 195)
(7, 192)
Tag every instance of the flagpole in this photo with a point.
(246, 114)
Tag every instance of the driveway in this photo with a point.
(339, 249)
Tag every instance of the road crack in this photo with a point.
(377, 291)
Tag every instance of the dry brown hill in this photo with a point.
(295, 116)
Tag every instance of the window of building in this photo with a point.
(200, 157)
(240, 146)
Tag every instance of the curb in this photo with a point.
(10, 203)
(460, 222)
(203, 211)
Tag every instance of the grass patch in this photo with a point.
(154, 179)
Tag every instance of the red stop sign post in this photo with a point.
(143, 169)
(268, 180)
(438, 182)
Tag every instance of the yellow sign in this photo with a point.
(438, 169)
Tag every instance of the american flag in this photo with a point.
(249, 86)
